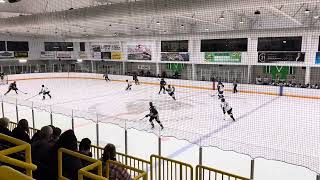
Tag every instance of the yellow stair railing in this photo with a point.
(135, 173)
(21, 146)
(203, 172)
(8, 173)
(165, 168)
(83, 172)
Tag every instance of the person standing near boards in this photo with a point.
(235, 85)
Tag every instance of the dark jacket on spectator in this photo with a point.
(5, 131)
(21, 134)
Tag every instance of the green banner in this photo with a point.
(280, 72)
(175, 67)
(234, 57)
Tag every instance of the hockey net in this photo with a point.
(3, 79)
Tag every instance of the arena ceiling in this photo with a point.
(107, 18)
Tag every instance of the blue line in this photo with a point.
(206, 136)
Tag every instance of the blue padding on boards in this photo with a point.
(281, 91)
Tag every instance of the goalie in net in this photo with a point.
(3, 78)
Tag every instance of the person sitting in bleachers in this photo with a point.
(116, 173)
(4, 123)
(56, 134)
(22, 131)
(85, 147)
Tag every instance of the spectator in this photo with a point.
(115, 173)
(55, 135)
(40, 148)
(85, 147)
(22, 131)
(4, 123)
(71, 165)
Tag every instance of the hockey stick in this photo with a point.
(32, 97)
(22, 91)
(142, 118)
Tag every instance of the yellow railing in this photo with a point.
(135, 173)
(84, 172)
(165, 168)
(203, 172)
(8, 173)
(21, 147)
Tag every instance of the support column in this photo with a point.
(123, 68)
(249, 77)
(157, 69)
(194, 72)
(308, 75)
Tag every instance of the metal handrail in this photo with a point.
(200, 173)
(21, 147)
(141, 174)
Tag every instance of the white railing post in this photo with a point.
(252, 170)
(72, 120)
(97, 130)
(32, 114)
(159, 144)
(2, 107)
(17, 114)
(125, 138)
(51, 118)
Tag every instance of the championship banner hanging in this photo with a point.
(276, 57)
(21, 54)
(139, 52)
(116, 56)
(47, 54)
(6, 54)
(230, 57)
(175, 56)
(318, 58)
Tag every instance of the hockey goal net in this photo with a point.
(3, 79)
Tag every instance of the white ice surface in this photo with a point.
(266, 125)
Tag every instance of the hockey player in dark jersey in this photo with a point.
(154, 115)
(226, 108)
(162, 86)
(44, 91)
(171, 90)
(135, 78)
(220, 90)
(12, 86)
(106, 77)
(129, 84)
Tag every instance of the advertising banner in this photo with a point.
(21, 54)
(6, 54)
(318, 58)
(83, 55)
(144, 67)
(96, 48)
(116, 55)
(63, 54)
(48, 54)
(96, 55)
(106, 47)
(105, 55)
(278, 57)
(230, 57)
(139, 52)
(175, 56)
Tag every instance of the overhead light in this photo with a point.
(181, 25)
(79, 60)
(23, 60)
(2, 1)
(158, 22)
(316, 17)
(69, 47)
(307, 11)
(284, 41)
(221, 17)
(241, 21)
(207, 29)
(87, 35)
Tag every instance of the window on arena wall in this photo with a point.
(17, 46)
(174, 46)
(58, 46)
(2, 46)
(279, 43)
(82, 46)
(224, 45)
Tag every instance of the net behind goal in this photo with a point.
(3, 79)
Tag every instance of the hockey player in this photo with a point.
(162, 86)
(235, 85)
(106, 77)
(226, 108)
(220, 90)
(129, 84)
(153, 115)
(136, 80)
(44, 91)
(171, 91)
(12, 86)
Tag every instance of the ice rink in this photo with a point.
(268, 126)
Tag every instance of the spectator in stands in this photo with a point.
(40, 148)
(115, 173)
(71, 165)
(4, 123)
(56, 134)
(22, 131)
(85, 147)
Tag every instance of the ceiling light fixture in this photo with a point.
(181, 25)
(316, 17)
(207, 29)
(241, 21)
(307, 11)
(221, 17)
(158, 22)
(2, 1)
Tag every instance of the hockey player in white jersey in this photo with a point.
(44, 91)
(226, 108)
(171, 90)
(129, 84)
